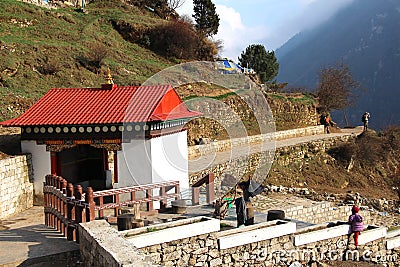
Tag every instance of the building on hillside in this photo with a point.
(227, 66)
(108, 137)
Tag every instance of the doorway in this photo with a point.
(83, 165)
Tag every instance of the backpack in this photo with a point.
(364, 118)
(322, 119)
(358, 218)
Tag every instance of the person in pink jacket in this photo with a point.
(356, 224)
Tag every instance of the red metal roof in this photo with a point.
(107, 105)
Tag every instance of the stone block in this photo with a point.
(372, 234)
(200, 251)
(227, 259)
(202, 258)
(237, 237)
(319, 235)
(186, 228)
(209, 242)
(393, 242)
(214, 253)
(171, 256)
(215, 262)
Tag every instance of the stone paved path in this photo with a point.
(207, 161)
(24, 238)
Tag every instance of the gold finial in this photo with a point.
(109, 79)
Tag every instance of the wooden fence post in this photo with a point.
(149, 204)
(59, 202)
(70, 212)
(78, 209)
(46, 201)
(89, 199)
(64, 207)
(163, 202)
(52, 201)
(210, 191)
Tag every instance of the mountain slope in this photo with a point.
(45, 48)
(363, 35)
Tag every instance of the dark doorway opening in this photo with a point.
(84, 165)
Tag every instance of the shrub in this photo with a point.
(392, 137)
(93, 59)
(174, 39)
(178, 39)
(343, 153)
(370, 149)
(49, 67)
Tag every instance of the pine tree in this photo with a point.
(264, 63)
(207, 19)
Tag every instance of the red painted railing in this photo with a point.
(65, 206)
(210, 191)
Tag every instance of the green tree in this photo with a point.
(336, 89)
(261, 61)
(207, 19)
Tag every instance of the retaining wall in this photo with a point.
(322, 212)
(16, 187)
(260, 245)
(198, 150)
(101, 245)
(283, 156)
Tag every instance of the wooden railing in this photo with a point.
(131, 192)
(210, 191)
(65, 206)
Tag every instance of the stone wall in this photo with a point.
(283, 156)
(260, 245)
(16, 187)
(290, 113)
(322, 212)
(203, 250)
(287, 112)
(198, 150)
(101, 245)
(308, 150)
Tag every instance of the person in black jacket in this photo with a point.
(244, 208)
(365, 118)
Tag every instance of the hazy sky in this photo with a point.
(267, 22)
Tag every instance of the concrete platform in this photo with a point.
(26, 241)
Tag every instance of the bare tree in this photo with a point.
(174, 4)
(336, 88)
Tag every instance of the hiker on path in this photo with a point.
(365, 119)
(326, 121)
(356, 224)
(244, 208)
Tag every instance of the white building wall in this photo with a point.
(41, 164)
(156, 160)
(134, 164)
(169, 155)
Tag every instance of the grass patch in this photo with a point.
(225, 226)
(54, 48)
(393, 228)
(152, 229)
(280, 97)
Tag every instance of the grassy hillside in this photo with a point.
(45, 48)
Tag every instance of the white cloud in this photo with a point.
(307, 2)
(270, 22)
(186, 8)
(234, 34)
